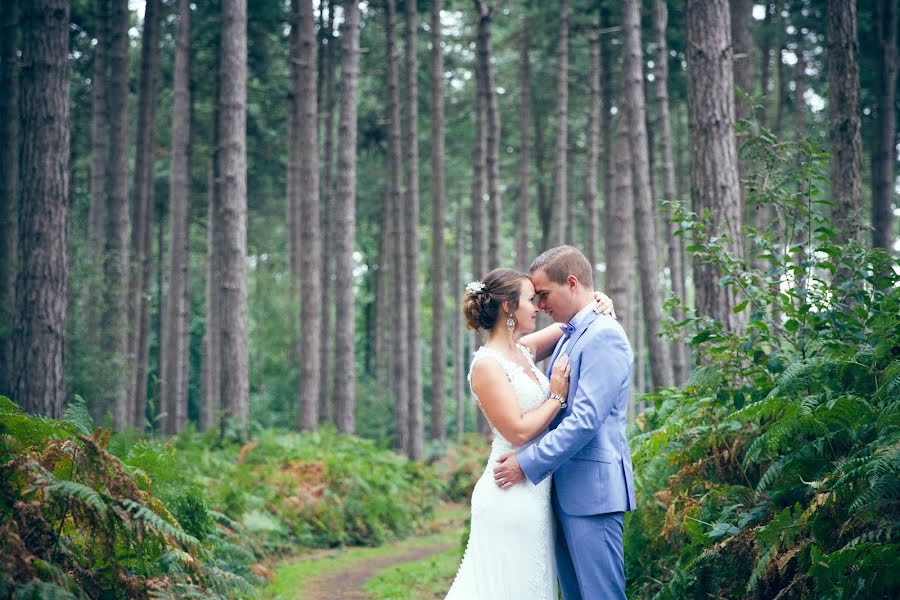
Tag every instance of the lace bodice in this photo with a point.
(530, 387)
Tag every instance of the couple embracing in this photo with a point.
(550, 503)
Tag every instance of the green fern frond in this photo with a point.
(884, 485)
(782, 436)
(160, 526)
(846, 412)
(767, 409)
(78, 492)
(890, 383)
(77, 414)
(43, 590)
(798, 376)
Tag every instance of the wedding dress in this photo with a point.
(510, 553)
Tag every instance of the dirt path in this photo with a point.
(348, 583)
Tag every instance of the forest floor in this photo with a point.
(416, 568)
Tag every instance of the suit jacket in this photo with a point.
(585, 448)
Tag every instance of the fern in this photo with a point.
(77, 414)
(160, 526)
(80, 493)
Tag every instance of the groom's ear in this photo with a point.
(572, 283)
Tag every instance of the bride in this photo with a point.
(510, 553)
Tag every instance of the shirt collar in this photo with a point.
(580, 320)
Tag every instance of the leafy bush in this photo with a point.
(775, 471)
(78, 522)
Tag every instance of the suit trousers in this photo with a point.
(590, 555)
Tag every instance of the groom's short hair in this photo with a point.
(560, 262)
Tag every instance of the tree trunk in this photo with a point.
(326, 396)
(765, 51)
(561, 165)
(438, 262)
(9, 186)
(416, 425)
(479, 188)
(99, 156)
(114, 323)
(232, 282)
(142, 205)
(884, 152)
(680, 366)
(606, 125)
(456, 324)
(492, 116)
(397, 244)
(294, 165)
(99, 130)
(211, 377)
(523, 256)
(741, 41)
(345, 204)
(618, 224)
(843, 94)
(42, 279)
(175, 363)
(311, 267)
(544, 201)
(593, 159)
(714, 175)
(644, 215)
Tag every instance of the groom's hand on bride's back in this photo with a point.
(508, 472)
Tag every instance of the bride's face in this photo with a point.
(527, 312)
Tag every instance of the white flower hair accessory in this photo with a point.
(473, 287)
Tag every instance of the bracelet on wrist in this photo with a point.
(558, 398)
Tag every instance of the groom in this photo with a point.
(585, 449)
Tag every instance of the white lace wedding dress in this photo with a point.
(510, 553)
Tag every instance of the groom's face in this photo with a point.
(553, 298)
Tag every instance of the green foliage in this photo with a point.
(774, 471)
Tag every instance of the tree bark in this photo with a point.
(99, 128)
(618, 224)
(714, 175)
(741, 41)
(884, 152)
(438, 261)
(680, 366)
(311, 267)
(492, 117)
(644, 215)
(175, 363)
(416, 414)
(844, 126)
(294, 166)
(561, 165)
(523, 256)
(326, 396)
(211, 377)
(592, 221)
(456, 324)
(9, 186)
(345, 204)
(142, 205)
(606, 124)
(114, 324)
(232, 282)
(397, 244)
(42, 279)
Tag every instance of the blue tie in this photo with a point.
(568, 329)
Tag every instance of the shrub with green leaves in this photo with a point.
(79, 522)
(775, 471)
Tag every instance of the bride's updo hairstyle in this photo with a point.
(484, 299)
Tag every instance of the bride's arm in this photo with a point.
(498, 401)
(542, 341)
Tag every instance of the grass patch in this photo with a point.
(295, 575)
(427, 578)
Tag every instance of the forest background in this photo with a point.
(234, 218)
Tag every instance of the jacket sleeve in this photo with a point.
(605, 362)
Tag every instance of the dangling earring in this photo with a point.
(510, 322)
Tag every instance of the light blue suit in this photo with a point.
(587, 453)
